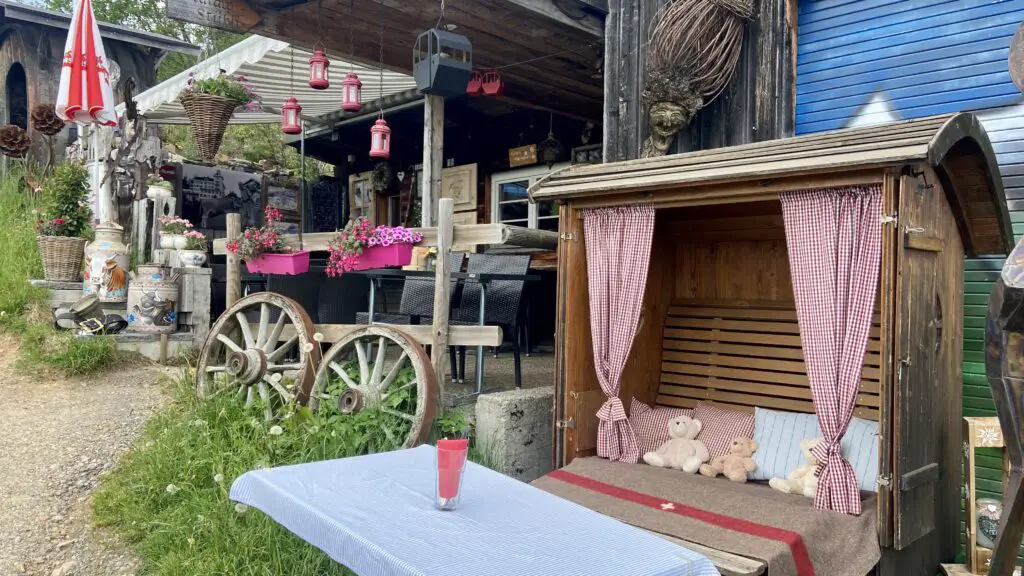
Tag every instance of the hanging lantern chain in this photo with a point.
(440, 19)
(291, 71)
(380, 85)
(351, 13)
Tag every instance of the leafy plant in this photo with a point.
(195, 240)
(258, 241)
(66, 203)
(235, 88)
(359, 234)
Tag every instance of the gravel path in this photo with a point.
(56, 437)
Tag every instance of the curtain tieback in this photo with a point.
(827, 454)
(612, 410)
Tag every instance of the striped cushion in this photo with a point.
(651, 424)
(778, 435)
(719, 427)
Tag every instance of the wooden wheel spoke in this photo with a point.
(393, 373)
(283, 367)
(281, 391)
(340, 371)
(275, 334)
(405, 386)
(378, 363)
(228, 342)
(398, 413)
(216, 369)
(364, 367)
(243, 323)
(261, 336)
(268, 410)
(281, 350)
(241, 392)
(248, 395)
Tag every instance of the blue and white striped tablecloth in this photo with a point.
(375, 514)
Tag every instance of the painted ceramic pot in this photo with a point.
(106, 269)
(153, 301)
(192, 258)
(171, 241)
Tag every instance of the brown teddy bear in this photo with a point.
(736, 464)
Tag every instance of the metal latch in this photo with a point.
(564, 424)
(568, 236)
(905, 361)
(885, 480)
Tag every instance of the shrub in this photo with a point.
(66, 203)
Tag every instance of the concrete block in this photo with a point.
(514, 428)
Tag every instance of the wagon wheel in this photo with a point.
(276, 361)
(398, 381)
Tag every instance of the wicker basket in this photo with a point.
(209, 116)
(62, 257)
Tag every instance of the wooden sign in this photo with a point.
(231, 15)
(1017, 58)
(522, 156)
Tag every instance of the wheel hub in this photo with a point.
(247, 366)
(350, 401)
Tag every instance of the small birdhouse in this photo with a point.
(291, 116)
(380, 140)
(442, 63)
(318, 75)
(351, 93)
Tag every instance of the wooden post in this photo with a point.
(442, 289)
(234, 275)
(433, 159)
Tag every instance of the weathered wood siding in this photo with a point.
(757, 105)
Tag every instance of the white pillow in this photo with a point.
(778, 435)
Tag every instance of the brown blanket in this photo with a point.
(783, 530)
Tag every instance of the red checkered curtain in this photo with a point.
(618, 244)
(834, 238)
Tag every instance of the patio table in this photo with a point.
(375, 514)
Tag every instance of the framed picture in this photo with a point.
(286, 196)
(459, 184)
(590, 154)
(361, 197)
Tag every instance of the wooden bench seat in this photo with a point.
(744, 356)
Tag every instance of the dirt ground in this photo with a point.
(57, 436)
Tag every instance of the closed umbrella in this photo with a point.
(85, 95)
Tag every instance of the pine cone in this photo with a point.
(14, 141)
(45, 120)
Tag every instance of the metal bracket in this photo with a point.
(885, 480)
(570, 236)
(905, 361)
(913, 230)
(564, 424)
(888, 219)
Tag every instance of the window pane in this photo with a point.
(522, 223)
(548, 224)
(513, 211)
(513, 191)
(547, 209)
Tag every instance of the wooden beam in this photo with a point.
(442, 289)
(587, 23)
(234, 263)
(457, 335)
(433, 156)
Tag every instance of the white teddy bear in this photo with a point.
(681, 451)
(802, 480)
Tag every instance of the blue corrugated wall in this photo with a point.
(927, 56)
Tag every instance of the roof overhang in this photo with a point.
(955, 146)
(18, 12)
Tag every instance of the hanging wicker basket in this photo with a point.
(62, 257)
(209, 116)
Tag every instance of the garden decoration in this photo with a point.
(209, 105)
(380, 134)
(153, 301)
(265, 252)
(172, 232)
(14, 141)
(46, 122)
(351, 86)
(442, 62)
(291, 111)
(63, 226)
(398, 381)
(157, 187)
(107, 259)
(693, 50)
(360, 246)
(1004, 368)
(193, 255)
(261, 346)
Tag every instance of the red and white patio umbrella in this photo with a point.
(85, 95)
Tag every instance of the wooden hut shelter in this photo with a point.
(721, 324)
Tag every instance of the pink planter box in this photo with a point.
(286, 264)
(396, 255)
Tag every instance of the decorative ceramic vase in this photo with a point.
(192, 258)
(286, 264)
(170, 241)
(153, 301)
(159, 190)
(180, 242)
(106, 271)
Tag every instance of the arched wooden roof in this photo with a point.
(955, 145)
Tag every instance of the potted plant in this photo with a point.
(360, 246)
(63, 225)
(209, 104)
(172, 232)
(265, 252)
(193, 255)
(158, 187)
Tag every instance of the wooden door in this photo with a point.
(917, 418)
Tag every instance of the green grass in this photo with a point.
(63, 351)
(168, 497)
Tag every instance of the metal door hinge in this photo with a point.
(885, 480)
(888, 218)
(568, 236)
(564, 424)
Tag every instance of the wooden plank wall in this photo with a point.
(756, 105)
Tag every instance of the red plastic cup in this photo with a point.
(451, 463)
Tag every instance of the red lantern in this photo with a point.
(492, 84)
(291, 120)
(351, 93)
(475, 86)
(319, 78)
(380, 140)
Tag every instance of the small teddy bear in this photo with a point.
(681, 451)
(736, 464)
(801, 480)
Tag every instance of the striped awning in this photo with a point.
(267, 63)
